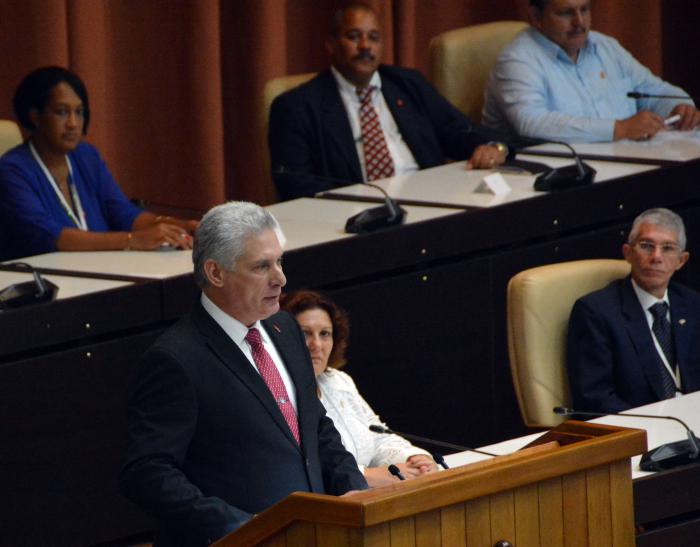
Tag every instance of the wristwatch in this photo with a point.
(502, 148)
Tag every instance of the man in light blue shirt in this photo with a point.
(559, 80)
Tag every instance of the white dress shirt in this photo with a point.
(647, 300)
(404, 162)
(352, 416)
(237, 332)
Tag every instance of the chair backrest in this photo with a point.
(461, 61)
(271, 90)
(276, 87)
(539, 304)
(10, 135)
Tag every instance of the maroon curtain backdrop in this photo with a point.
(175, 87)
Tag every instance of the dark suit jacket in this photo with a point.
(612, 362)
(311, 143)
(208, 446)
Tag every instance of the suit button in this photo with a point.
(308, 463)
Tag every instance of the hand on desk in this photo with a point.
(690, 117)
(159, 234)
(640, 127)
(415, 466)
(486, 156)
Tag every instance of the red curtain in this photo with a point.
(175, 86)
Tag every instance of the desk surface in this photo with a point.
(67, 286)
(659, 432)
(667, 146)
(305, 222)
(453, 185)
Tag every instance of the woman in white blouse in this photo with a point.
(326, 329)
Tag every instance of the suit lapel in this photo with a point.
(336, 124)
(640, 335)
(237, 363)
(682, 327)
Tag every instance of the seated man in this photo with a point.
(636, 341)
(559, 80)
(359, 121)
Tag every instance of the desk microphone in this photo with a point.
(638, 95)
(381, 429)
(666, 456)
(559, 178)
(396, 472)
(364, 222)
(30, 292)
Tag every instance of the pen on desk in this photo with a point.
(672, 119)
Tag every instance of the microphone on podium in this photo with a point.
(396, 472)
(666, 456)
(437, 457)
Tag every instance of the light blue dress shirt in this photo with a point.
(536, 90)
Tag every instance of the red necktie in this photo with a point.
(274, 382)
(378, 162)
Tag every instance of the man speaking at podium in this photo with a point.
(559, 80)
(636, 341)
(224, 420)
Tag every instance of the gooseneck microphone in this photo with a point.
(666, 456)
(380, 429)
(638, 95)
(29, 292)
(559, 178)
(396, 472)
(369, 220)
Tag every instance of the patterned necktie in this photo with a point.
(272, 378)
(378, 162)
(662, 330)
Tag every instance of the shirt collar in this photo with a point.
(346, 86)
(555, 51)
(646, 299)
(236, 330)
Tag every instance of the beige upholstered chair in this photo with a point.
(275, 87)
(539, 303)
(461, 62)
(10, 135)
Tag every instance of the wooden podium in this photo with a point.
(573, 487)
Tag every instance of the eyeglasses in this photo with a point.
(648, 248)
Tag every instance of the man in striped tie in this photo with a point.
(360, 120)
(224, 419)
(638, 340)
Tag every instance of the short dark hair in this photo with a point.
(339, 15)
(34, 90)
(539, 4)
(300, 301)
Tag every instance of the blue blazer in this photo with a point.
(612, 362)
(208, 445)
(311, 143)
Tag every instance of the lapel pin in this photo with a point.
(279, 331)
(399, 102)
(681, 322)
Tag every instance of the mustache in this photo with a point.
(364, 56)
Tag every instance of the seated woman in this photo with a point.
(326, 329)
(56, 192)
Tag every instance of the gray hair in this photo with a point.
(659, 217)
(223, 232)
(339, 15)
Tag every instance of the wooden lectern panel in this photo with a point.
(575, 495)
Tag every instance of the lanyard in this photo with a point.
(79, 221)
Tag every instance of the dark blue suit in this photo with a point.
(311, 143)
(612, 362)
(208, 445)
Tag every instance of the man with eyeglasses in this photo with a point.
(637, 341)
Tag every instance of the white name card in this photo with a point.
(493, 184)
